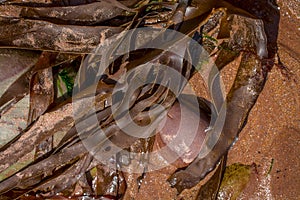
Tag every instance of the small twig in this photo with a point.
(271, 166)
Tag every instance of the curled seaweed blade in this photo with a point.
(247, 86)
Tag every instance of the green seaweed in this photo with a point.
(67, 77)
(206, 36)
(236, 178)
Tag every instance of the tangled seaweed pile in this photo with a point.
(50, 41)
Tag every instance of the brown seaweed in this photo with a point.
(42, 35)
